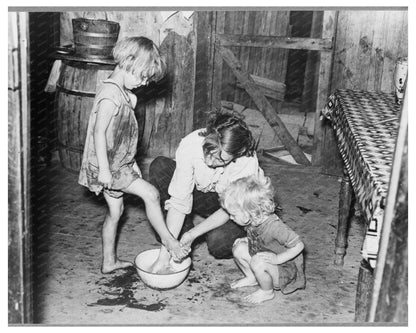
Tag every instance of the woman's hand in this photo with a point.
(177, 251)
(187, 239)
(269, 257)
(105, 178)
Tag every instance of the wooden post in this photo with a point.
(324, 80)
(19, 236)
(264, 106)
(390, 293)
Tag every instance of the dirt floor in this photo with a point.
(70, 289)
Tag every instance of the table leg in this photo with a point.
(345, 197)
(364, 291)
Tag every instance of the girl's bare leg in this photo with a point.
(110, 260)
(150, 196)
(242, 259)
(266, 274)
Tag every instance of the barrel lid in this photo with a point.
(67, 52)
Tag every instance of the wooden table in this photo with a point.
(366, 126)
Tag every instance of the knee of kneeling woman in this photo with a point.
(256, 263)
(220, 252)
(157, 164)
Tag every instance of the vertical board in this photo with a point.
(175, 109)
(204, 67)
(325, 152)
(367, 46)
(19, 231)
(312, 67)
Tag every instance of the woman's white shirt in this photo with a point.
(192, 171)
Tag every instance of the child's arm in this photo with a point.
(104, 115)
(277, 259)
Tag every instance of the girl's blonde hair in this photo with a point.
(141, 57)
(252, 195)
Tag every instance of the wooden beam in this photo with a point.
(264, 106)
(269, 88)
(297, 43)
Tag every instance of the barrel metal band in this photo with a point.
(98, 34)
(92, 46)
(75, 92)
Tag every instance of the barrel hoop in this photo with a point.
(98, 34)
(75, 92)
(94, 46)
(70, 148)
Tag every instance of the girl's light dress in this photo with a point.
(121, 137)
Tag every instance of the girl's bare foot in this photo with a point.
(244, 282)
(260, 296)
(111, 267)
(160, 266)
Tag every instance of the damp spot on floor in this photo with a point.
(147, 307)
(119, 291)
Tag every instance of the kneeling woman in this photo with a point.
(206, 162)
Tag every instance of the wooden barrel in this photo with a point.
(94, 38)
(76, 89)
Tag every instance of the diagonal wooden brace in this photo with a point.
(264, 106)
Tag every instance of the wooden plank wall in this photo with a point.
(267, 63)
(168, 106)
(368, 44)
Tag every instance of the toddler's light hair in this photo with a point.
(141, 57)
(252, 195)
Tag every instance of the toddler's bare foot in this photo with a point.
(260, 296)
(111, 267)
(244, 282)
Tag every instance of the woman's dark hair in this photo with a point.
(227, 132)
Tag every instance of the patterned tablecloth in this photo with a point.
(366, 126)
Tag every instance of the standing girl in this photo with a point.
(108, 163)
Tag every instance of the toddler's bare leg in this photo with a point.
(266, 274)
(110, 260)
(242, 259)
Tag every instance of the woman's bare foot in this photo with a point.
(244, 282)
(260, 296)
(111, 267)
